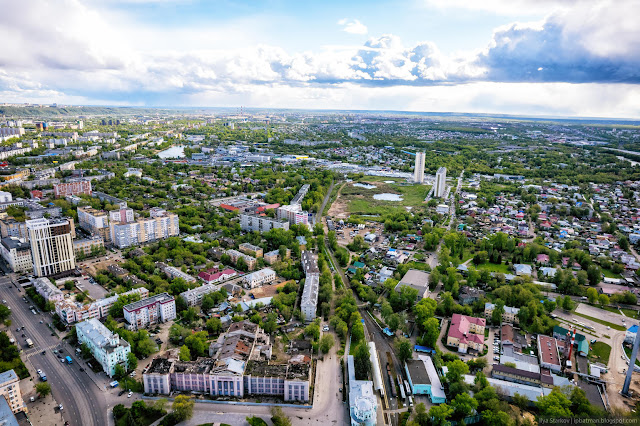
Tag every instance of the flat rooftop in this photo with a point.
(158, 298)
(159, 366)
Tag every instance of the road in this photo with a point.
(83, 402)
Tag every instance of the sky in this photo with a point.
(523, 57)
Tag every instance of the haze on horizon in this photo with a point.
(521, 57)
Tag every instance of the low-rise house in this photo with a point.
(509, 315)
(259, 278)
(548, 353)
(469, 295)
(418, 280)
(424, 379)
(522, 269)
(466, 333)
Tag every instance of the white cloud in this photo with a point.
(353, 26)
(508, 7)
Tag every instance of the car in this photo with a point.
(593, 341)
(129, 394)
(60, 407)
(22, 328)
(18, 329)
(39, 371)
(4, 301)
(496, 358)
(44, 352)
(60, 350)
(61, 360)
(608, 327)
(41, 322)
(325, 328)
(121, 392)
(81, 369)
(22, 334)
(133, 374)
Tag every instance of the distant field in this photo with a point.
(361, 201)
(492, 267)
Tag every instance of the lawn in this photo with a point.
(603, 322)
(361, 200)
(628, 352)
(492, 267)
(609, 274)
(600, 352)
(628, 312)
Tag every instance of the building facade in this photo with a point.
(72, 188)
(149, 311)
(418, 170)
(252, 222)
(10, 390)
(107, 347)
(94, 221)
(45, 288)
(309, 301)
(144, 230)
(51, 246)
(466, 333)
(439, 188)
(259, 278)
(88, 246)
(17, 254)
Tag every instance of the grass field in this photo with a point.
(603, 322)
(361, 200)
(609, 274)
(600, 351)
(628, 312)
(628, 352)
(492, 267)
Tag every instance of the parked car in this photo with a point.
(129, 395)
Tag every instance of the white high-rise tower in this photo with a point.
(441, 180)
(51, 246)
(418, 173)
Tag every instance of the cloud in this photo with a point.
(353, 26)
(508, 7)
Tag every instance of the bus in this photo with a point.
(69, 360)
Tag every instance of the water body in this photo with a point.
(387, 197)
(173, 152)
(364, 185)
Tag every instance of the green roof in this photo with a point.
(583, 346)
(358, 264)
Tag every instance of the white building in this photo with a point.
(174, 273)
(107, 347)
(293, 214)
(194, 296)
(149, 311)
(94, 221)
(259, 278)
(5, 197)
(441, 182)
(143, 230)
(252, 222)
(51, 246)
(17, 253)
(442, 209)
(10, 390)
(45, 288)
(75, 312)
(309, 301)
(418, 172)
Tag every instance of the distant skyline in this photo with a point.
(520, 57)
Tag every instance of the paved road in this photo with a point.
(83, 402)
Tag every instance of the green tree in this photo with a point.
(312, 330)
(182, 408)
(422, 418)
(185, 353)
(463, 405)
(4, 313)
(520, 401)
(119, 372)
(43, 389)
(214, 325)
(404, 349)
(326, 342)
(603, 299)
(567, 303)
(279, 418)
(431, 332)
(132, 361)
(440, 414)
(594, 274)
(592, 295)
(457, 369)
(555, 404)
(362, 361)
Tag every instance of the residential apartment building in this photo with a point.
(194, 296)
(440, 186)
(107, 347)
(10, 390)
(466, 333)
(88, 246)
(72, 188)
(17, 254)
(94, 221)
(418, 170)
(123, 214)
(293, 214)
(51, 246)
(251, 250)
(75, 312)
(274, 256)
(259, 278)
(309, 301)
(235, 255)
(143, 230)
(213, 275)
(149, 311)
(9, 227)
(509, 315)
(252, 222)
(45, 288)
(174, 273)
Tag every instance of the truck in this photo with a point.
(69, 360)
(29, 343)
(43, 376)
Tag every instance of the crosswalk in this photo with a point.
(35, 351)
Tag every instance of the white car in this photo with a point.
(60, 407)
(129, 394)
(325, 328)
(39, 371)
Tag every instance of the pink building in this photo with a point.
(72, 188)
